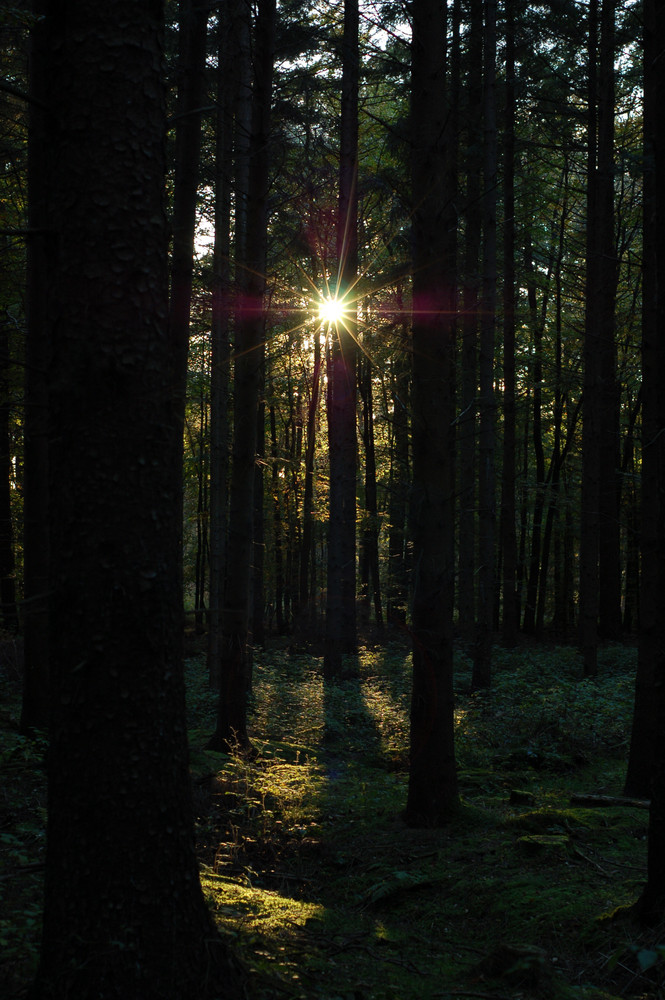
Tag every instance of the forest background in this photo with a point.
(477, 203)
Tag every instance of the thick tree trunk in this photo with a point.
(124, 915)
(433, 792)
(647, 747)
(647, 753)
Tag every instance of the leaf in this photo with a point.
(647, 958)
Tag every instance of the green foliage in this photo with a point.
(545, 715)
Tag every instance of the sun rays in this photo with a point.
(332, 311)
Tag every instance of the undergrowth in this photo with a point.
(323, 891)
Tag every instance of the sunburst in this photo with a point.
(333, 311)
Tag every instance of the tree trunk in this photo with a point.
(123, 913)
(433, 796)
(589, 526)
(35, 703)
(220, 349)
(646, 768)
(341, 635)
(8, 617)
(510, 621)
(467, 420)
(647, 747)
(486, 475)
(250, 333)
(398, 492)
(370, 541)
(537, 324)
(609, 542)
(306, 555)
(192, 36)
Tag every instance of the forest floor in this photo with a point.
(325, 893)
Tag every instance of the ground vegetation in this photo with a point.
(322, 889)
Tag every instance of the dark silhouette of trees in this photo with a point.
(645, 760)
(250, 331)
(124, 913)
(646, 771)
(432, 793)
(482, 664)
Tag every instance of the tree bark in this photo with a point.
(467, 419)
(433, 796)
(250, 334)
(192, 34)
(371, 583)
(647, 748)
(341, 635)
(510, 621)
(35, 703)
(220, 348)
(589, 525)
(486, 469)
(8, 610)
(647, 762)
(124, 915)
(609, 541)
(398, 491)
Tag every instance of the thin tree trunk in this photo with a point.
(341, 634)
(250, 330)
(467, 419)
(398, 492)
(192, 35)
(258, 534)
(371, 528)
(277, 525)
(220, 348)
(486, 477)
(41, 247)
(510, 620)
(589, 526)
(609, 485)
(306, 560)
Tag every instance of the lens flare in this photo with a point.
(331, 310)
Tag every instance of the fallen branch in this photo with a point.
(608, 800)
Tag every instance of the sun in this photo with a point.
(332, 310)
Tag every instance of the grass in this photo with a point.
(326, 894)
